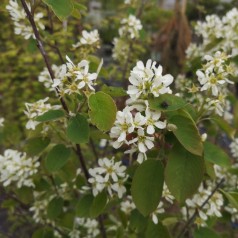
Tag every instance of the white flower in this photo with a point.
(128, 205)
(148, 79)
(152, 120)
(167, 194)
(144, 142)
(36, 109)
(2, 122)
(234, 148)
(16, 167)
(110, 175)
(130, 27)
(158, 210)
(88, 38)
(120, 50)
(21, 24)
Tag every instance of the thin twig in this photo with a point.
(188, 223)
(94, 149)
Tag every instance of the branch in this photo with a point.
(188, 223)
(42, 50)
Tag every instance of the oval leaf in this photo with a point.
(36, 145)
(78, 129)
(187, 133)
(156, 230)
(102, 110)
(216, 155)
(57, 158)
(147, 186)
(183, 173)
(61, 8)
(99, 203)
(84, 206)
(167, 102)
(55, 207)
(50, 115)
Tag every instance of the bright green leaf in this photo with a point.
(216, 155)
(36, 145)
(78, 129)
(102, 110)
(55, 207)
(167, 102)
(183, 173)
(114, 91)
(147, 186)
(50, 115)
(57, 158)
(187, 133)
(61, 8)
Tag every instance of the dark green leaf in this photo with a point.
(204, 232)
(137, 221)
(78, 129)
(147, 186)
(183, 173)
(84, 206)
(57, 158)
(102, 110)
(45, 232)
(187, 133)
(216, 155)
(55, 207)
(156, 230)
(232, 198)
(99, 203)
(167, 102)
(50, 115)
(36, 145)
(61, 8)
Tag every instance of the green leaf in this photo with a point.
(102, 110)
(44, 232)
(156, 230)
(114, 91)
(137, 221)
(78, 129)
(224, 125)
(187, 133)
(183, 173)
(167, 102)
(98, 205)
(55, 207)
(36, 145)
(232, 198)
(216, 155)
(50, 115)
(84, 205)
(61, 8)
(204, 232)
(57, 158)
(147, 186)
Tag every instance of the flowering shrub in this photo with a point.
(119, 147)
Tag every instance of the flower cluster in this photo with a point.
(130, 27)
(137, 124)
(221, 31)
(33, 110)
(120, 50)
(148, 79)
(59, 73)
(211, 208)
(89, 38)
(89, 228)
(21, 25)
(77, 78)
(110, 175)
(16, 167)
(234, 148)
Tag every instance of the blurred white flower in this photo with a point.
(2, 122)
